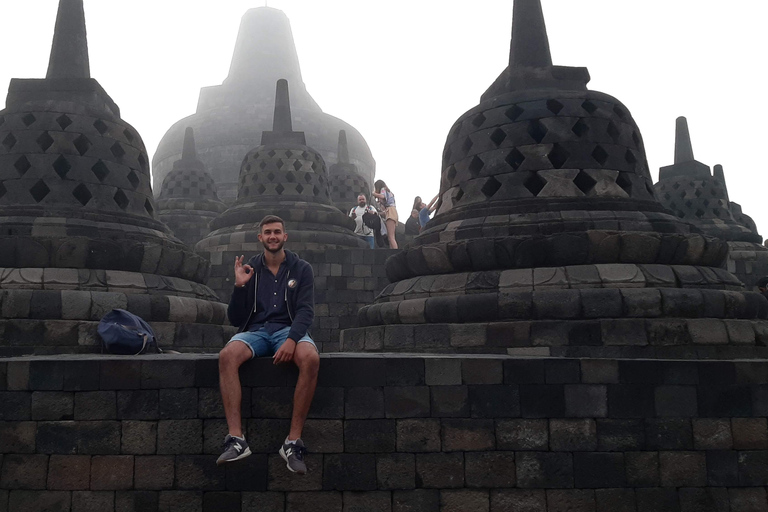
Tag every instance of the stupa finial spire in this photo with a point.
(69, 51)
(343, 148)
(282, 120)
(530, 44)
(683, 147)
(189, 152)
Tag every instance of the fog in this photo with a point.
(402, 72)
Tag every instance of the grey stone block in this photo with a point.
(439, 470)
(396, 471)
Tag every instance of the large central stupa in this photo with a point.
(549, 240)
(232, 115)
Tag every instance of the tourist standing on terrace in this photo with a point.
(273, 305)
(387, 200)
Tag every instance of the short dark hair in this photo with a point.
(270, 219)
(763, 282)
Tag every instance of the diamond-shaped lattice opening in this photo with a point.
(589, 107)
(636, 139)
(498, 136)
(580, 128)
(45, 141)
(458, 195)
(101, 170)
(683, 194)
(478, 120)
(455, 131)
(100, 126)
(676, 186)
(467, 145)
(305, 155)
(62, 166)
(514, 112)
(667, 196)
(3, 190)
(630, 157)
(82, 144)
(261, 189)
(149, 208)
(585, 182)
(128, 135)
(22, 165)
(134, 179)
(82, 194)
(490, 187)
(475, 166)
(697, 193)
(535, 183)
(290, 177)
(142, 163)
(280, 163)
(299, 188)
(271, 153)
(515, 159)
(625, 182)
(297, 165)
(279, 189)
(39, 190)
(28, 119)
(117, 150)
(271, 176)
(9, 142)
(613, 132)
(450, 174)
(316, 191)
(689, 203)
(121, 199)
(320, 180)
(554, 106)
(63, 120)
(699, 213)
(619, 112)
(600, 155)
(716, 211)
(263, 165)
(537, 131)
(558, 156)
(288, 154)
(314, 166)
(308, 177)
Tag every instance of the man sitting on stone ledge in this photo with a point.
(273, 305)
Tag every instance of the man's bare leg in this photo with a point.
(230, 360)
(308, 361)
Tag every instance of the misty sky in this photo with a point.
(402, 71)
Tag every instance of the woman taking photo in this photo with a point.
(387, 200)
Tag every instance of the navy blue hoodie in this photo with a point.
(299, 298)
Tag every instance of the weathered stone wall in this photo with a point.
(395, 434)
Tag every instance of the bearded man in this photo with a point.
(273, 305)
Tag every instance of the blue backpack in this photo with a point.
(126, 334)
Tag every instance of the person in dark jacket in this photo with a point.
(273, 305)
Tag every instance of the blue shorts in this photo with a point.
(263, 344)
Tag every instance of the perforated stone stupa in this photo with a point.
(78, 225)
(285, 177)
(346, 183)
(231, 116)
(694, 193)
(188, 202)
(549, 240)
